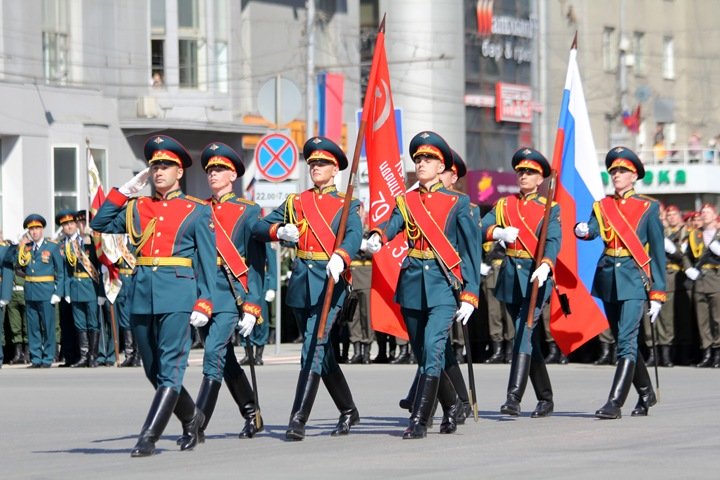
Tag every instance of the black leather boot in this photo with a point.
(357, 353)
(241, 391)
(716, 357)
(553, 355)
(497, 355)
(340, 393)
(246, 360)
(129, 346)
(666, 356)
(365, 353)
(407, 402)
(624, 373)
(543, 389)
(509, 352)
(259, 350)
(604, 358)
(403, 356)
(519, 372)
(18, 358)
(706, 361)
(93, 340)
(422, 407)
(192, 419)
(643, 385)
(307, 388)
(450, 403)
(456, 377)
(206, 401)
(84, 350)
(382, 356)
(157, 419)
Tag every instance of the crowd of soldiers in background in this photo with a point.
(687, 331)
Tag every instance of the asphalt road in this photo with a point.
(82, 424)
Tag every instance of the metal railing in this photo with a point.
(674, 156)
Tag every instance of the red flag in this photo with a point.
(632, 121)
(386, 182)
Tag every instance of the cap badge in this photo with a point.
(158, 140)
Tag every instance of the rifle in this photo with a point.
(540, 252)
(248, 348)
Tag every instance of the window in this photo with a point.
(55, 41)
(65, 185)
(222, 34)
(609, 49)
(191, 45)
(157, 43)
(639, 53)
(668, 66)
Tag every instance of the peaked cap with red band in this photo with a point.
(64, 216)
(531, 159)
(322, 148)
(219, 154)
(458, 164)
(433, 145)
(624, 157)
(34, 220)
(162, 148)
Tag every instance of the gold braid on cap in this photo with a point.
(413, 232)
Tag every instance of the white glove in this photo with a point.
(289, 233)
(270, 296)
(485, 269)
(581, 230)
(374, 243)
(101, 301)
(654, 310)
(246, 324)
(55, 299)
(670, 247)
(540, 274)
(104, 270)
(198, 319)
(67, 299)
(135, 184)
(464, 312)
(692, 273)
(507, 234)
(714, 247)
(3, 303)
(335, 267)
(683, 247)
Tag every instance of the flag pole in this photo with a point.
(346, 205)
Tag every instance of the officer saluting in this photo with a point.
(240, 260)
(44, 286)
(517, 220)
(439, 280)
(174, 280)
(311, 220)
(630, 272)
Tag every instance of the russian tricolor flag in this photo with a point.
(579, 185)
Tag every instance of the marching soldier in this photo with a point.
(675, 235)
(517, 220)
(44, 286)
(630, 273)
(82, 287)
(311, 220)
(174, 281)
(240, 260)
(439, 280)
(702, 268)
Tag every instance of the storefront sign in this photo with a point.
(487, 187)
(513, 103)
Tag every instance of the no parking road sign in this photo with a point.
(276, 157)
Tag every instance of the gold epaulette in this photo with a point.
(543, 200)
(648, 197)
(244, 200)
(195, 199)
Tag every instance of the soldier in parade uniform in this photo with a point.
(311, 220)
(517, 220)
(439, 279)
(82, 286)
(6, 284)
(174, 280)
(702, 268)
(240, 260)
(675, 235)
(44, 287)
(630, 272)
